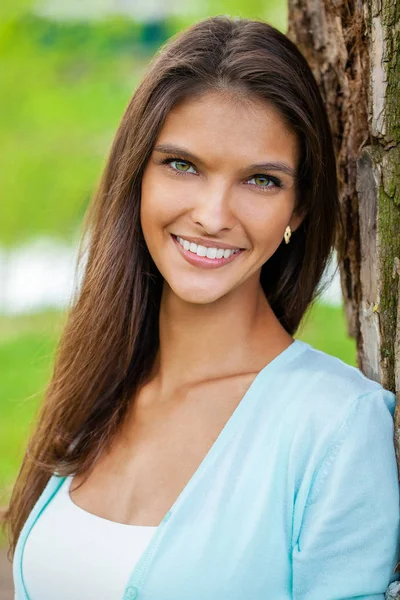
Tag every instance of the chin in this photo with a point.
(196, 295)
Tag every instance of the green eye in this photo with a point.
(179, 166)
(259, 180)
(262, 181)
(181, 163)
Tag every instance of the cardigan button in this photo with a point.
(131, 593)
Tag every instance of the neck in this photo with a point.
(235, 334)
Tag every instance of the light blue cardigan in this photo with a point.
(298, 498)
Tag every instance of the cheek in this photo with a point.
(254, 216)
(160, 202)
(266, 223)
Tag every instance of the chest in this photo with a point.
(228, 534)
(157, 452)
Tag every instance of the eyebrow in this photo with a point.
(268, 166)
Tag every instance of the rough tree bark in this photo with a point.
(353, 48)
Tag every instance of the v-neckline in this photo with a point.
(230, 426)
(226, 433)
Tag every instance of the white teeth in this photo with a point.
(203, 251)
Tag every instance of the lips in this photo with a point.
(209, 243)
(204, 261)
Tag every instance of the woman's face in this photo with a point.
(206, 179)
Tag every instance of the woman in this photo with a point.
(189, 447)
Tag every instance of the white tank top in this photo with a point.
(72, 554)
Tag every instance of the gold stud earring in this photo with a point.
(288, 233)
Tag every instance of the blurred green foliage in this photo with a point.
(62, 100)
(27, 345)
(274, 12)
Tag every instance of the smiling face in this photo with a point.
(204, 179)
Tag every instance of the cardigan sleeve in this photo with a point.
(347, 545)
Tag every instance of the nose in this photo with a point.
(213, 208)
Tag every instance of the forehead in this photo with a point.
(218, 124)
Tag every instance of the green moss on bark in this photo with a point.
(389, 241)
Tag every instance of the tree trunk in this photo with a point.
(353, 49)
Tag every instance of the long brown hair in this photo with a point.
(110, 338)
